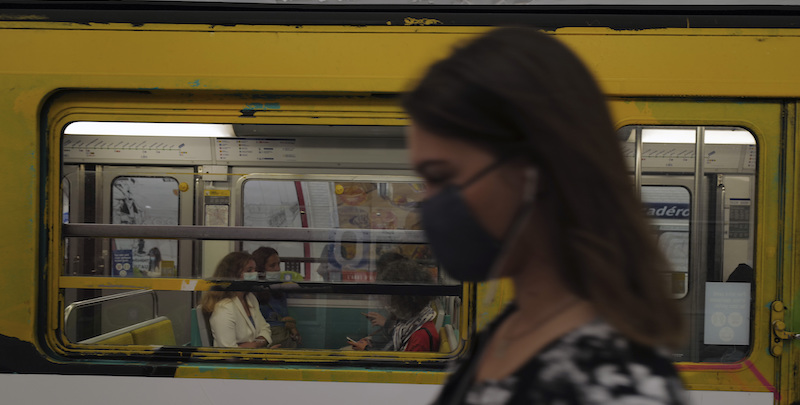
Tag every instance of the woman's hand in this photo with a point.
(256, 344)
(376, 319)
(291, 326)
(361, 344)
(295, 335)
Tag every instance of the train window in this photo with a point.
(144, 201)
(157, 218)
(698, 196)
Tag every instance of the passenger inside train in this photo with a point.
(372, 217)
(236, 320)
(273, 304)
(410, 325)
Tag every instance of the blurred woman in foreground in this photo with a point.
(526, 180)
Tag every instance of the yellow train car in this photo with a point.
(144, 141)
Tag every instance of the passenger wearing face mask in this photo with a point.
(273, 303)
(236, 320)
(410, 325)
(526, 180)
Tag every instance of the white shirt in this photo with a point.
(231, 326)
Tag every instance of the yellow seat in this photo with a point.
(448, 341)
(159, 332)
(444, 344)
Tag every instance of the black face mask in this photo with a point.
(464, 248)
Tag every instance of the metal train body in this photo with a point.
(309, 99)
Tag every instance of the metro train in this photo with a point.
(143, 141)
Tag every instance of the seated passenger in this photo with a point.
(235, 318)
(154, 266)
(273, 304)
(410, 326)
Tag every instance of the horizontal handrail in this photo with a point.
(302, 287)
(126, 329)
(99, 300)
(392, 288)
(297, 259)
(328, 235)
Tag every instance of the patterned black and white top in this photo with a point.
(593, 364)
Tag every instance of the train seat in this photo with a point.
(448, 339)
(201, 333)
(156, 331)
(111, 338)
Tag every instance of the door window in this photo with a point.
(698, 200)
(144, 201)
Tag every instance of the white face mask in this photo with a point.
(250, 275)
(273, 275)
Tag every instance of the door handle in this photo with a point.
(779, 328)
(779, 332)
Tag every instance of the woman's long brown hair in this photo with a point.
(519, 92)
(229, 268)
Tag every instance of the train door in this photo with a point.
(122, 195)
(710, 176)
(790, 288)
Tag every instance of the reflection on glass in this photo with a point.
(338, 204)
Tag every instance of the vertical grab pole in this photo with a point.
(637, 163)
(697, 276)
(719, 229)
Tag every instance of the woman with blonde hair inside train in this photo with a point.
(236, 320)
(526, 180)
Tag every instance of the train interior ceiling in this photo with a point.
(332, 200)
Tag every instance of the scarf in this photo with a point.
(404, 329)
